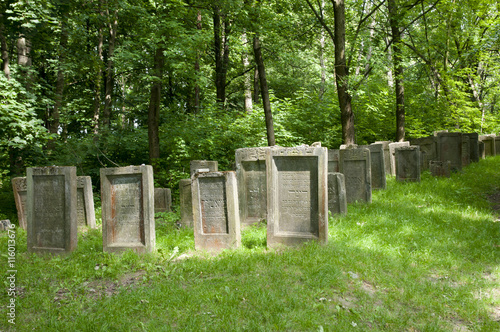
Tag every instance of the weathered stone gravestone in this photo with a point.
(163, 200)
(348, 146)
(465, 150)
(440, 168)
(337, 203)
(186, 203)
(5, 225)
(408, 163)
(473, 146)
(377, 165)
(333, 161)
(215, 211)
(297, 195)
(392, 154)
(489, 145)
(252, 185)
(387, 155)
(19, 187)
(127, 195)
(437, 132)
(203, 166)
(497, 145)
(480, 145)
(51, 209)
(450, 149)
(428, 150)
(355, 164)
(85, 202)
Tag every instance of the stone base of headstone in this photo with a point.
(440, 168)
(215, 211)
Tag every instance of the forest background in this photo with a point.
(105, 83)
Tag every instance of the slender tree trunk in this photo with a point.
(108, 98)
(256, 85)
(265, 91)
(154, 109)
(221, 50)
(322, 56)
(398, 71)
(342, 74)
(98, 82)
(247, 82)
(4, 49)
(197, 70)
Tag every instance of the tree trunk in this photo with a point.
(342, 74)
(221, 50)
(248, 84)
(98, 82)
(265, 92)
(197, 70)
(108, 98)
(398, 71)
(154, 109)
(256, 85)
(4, 49)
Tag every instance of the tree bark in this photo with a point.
(108, 97)
(221, 50)
(247, 82)
(154, 109)
(264, 90)
(256, 85)
(4, 49)
(197, 70)
(98, 76)
(342, 74)
(398, 70)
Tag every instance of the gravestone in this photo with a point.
(450, 148)
(473, 146)
(377, 165)
(489, 145)
(337, 203)
(355, 164)
(186, 203)
(497, 145)
(19, 188)
(348, 146)
(428, 150)
(85, 202)
(408, 163)
(465, 150)
(252, 185)
(51, 209)
(392, 153)
(203, 165)
(480, 145)
(440, 168)
(437, 132)
(127, 195)
(333, 161)
(163, 200)
(5, 225)
(297, 195)
(215, 211)
(387, 155)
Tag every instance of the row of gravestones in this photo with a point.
(292, 188)
(53, 203)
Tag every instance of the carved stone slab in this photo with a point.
(203, 165)
(127, 195)
(51, 209)
(252, 185)
(163, 200)
(473, 146)
(19, 187)
(480, 145)
(465, 150)
(428, 150)
(450, 149)
(377, 165)
(333, 161)
(408, 163)
(440, 168)
(355, 164)
(489, 144)
(297, 195)
(186, 202)
(85, 202)
(392, 154)
(337, 202)
(387, 155)
(215, 211)
(497, 145)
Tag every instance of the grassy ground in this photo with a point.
(422, 257)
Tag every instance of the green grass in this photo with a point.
(422, 257)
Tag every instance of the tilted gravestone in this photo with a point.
(377, 165)
(163, 200)
(252, 185)
(392, 153)
(480, 145)
(333, 161)
(85, 202)
(450, 149)
(186, 203)
(203, 165)
(489, 144)
(337, 203)
(19, 187)
(408, 163)
(440, 168)
(127, 195)
(465, 150)
(297, 191)
(215, 211)
(355, 164)
(428, 150)
(473, 146)
(387, 155)
(51, 209)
